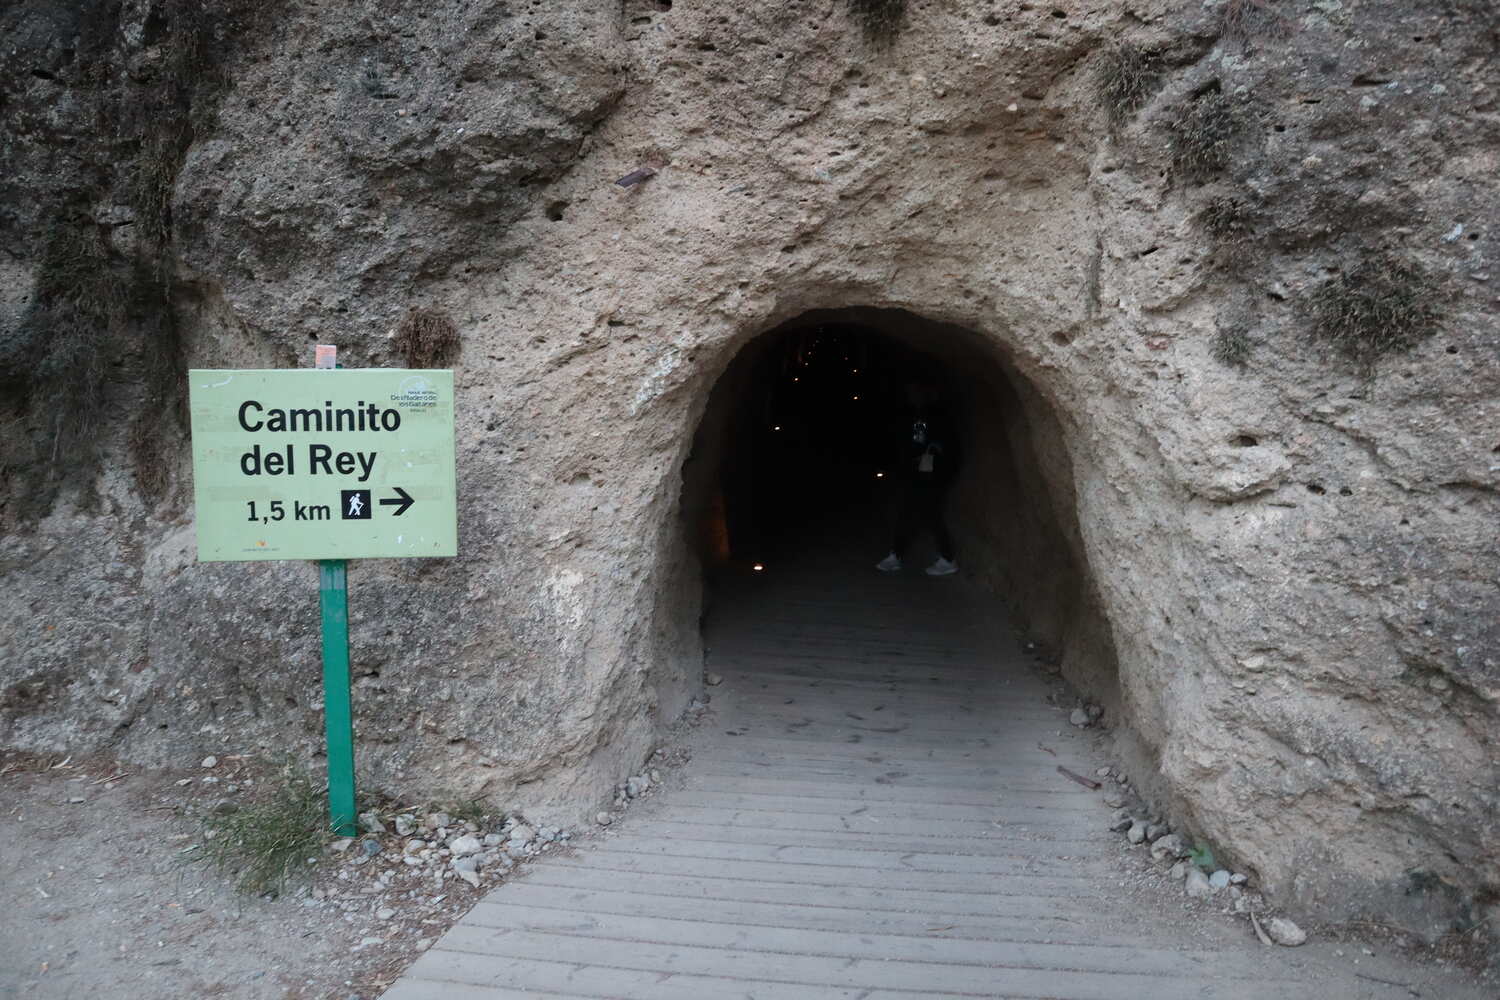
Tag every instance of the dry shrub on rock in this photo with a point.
(427, 338)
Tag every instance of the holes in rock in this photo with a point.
(1451, 349)
(555, 210)
(1315, 489)
(1345, 491)
(1365, 80)
(1244, 441)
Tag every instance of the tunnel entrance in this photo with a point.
(803, 462)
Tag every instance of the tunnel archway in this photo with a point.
(795, 461)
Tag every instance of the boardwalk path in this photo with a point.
(868, 815)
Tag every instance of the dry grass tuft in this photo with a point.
(1204, 132)
(1246, 20)
(1125, 78)
(1382, 306)
(1232, 346)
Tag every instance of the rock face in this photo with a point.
(1274, 565)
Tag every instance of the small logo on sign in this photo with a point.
(356, 505)
(416, 391)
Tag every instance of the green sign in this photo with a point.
(323, 464)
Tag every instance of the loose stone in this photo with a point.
(1219, 879)
(1167, 848)
(604, 819)
(1137, 832)
(1079, 718)
(464, 845)
(1284, 932)
(1197, 885)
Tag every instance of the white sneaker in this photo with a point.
(942, 568)
(890, 564)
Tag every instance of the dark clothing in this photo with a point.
(922, 506)
(930, 458)
(929, 448)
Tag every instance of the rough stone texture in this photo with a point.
(1279, 579)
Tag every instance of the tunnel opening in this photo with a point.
(802, 463)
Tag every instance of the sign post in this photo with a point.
(312, 464)
(338, 710)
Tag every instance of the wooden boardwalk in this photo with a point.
(869, 815)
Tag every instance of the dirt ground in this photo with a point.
(100, 892)
(101, 889)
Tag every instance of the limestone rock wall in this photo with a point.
(1295, 557)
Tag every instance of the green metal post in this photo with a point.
(338, 716)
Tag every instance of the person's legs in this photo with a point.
(933, 499)
(938, 519)
(908, 518)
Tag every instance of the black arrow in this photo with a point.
(401, 498)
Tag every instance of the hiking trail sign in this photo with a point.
(326, 464)
(323, 464)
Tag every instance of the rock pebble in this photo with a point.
(712, 679)
(1137, 832)
(604, 819)
(1079, 718)
(1285, 933)
(1219, 879)
(210, 761)
(1167, 848)
(1196, 885)
(371, 823)
(463, 846)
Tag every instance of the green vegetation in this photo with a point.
(1382, 306)
(1125, 77)
(264, 842)
(1204, 131)
(1202, 855)
(470, 810)
(880, 20)
(427, 338)
(1232, 346)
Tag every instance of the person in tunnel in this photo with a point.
(928, 459)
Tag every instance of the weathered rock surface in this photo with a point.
(1280, 579)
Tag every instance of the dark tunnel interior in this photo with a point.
(805, 455)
